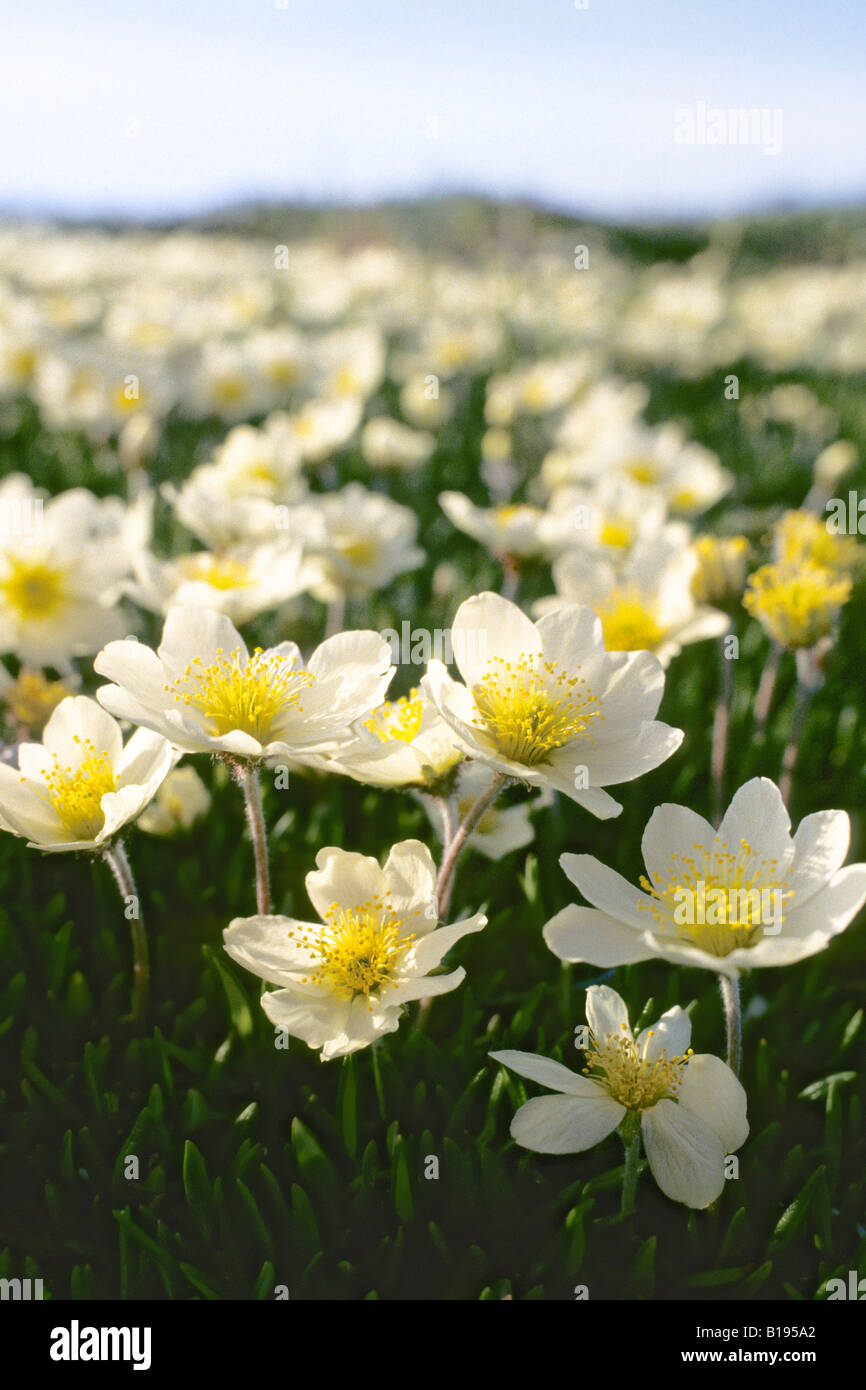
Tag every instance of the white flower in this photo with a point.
(513, 529)
(692, 1108)
(205, 692)
(545, 703)
(502, 829)
(386, 443)
(61, 560)
(343, 980)
(182, 799)
(241, 581)
(360, 540)
(648, 605)
(728, 900)
(404, 742)
(80, 785)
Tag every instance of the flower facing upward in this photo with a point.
(796, 605)
(742, 896)
(77, 788)
(344, 979)
(692, 1108)
(545, 703)
(205, 692)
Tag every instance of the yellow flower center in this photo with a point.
(237, 695)
(643, 471)
(229, 390)
(34, 589)
(718, 899)
(515, 512)
(76, 793)
(684, 499)
(400, 719)
(31, 698)
(355, 547)
(802, 538)
(220, 572)
(617, 535)
(616, 1064)
(530, 708)
(347, 382)
(629, 621)
(358, 948)
(796, 606)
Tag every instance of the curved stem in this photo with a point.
(792, 747)
(766, 688)
(721, 724)
(510, 577)
(248, 776)
(445, 879)
(117, 861)
(733, 1021)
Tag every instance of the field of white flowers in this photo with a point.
(432, 758)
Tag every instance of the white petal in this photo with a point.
(264, 946)
(710, 1090)
(757, 815)
(547, 1073)
(606, 1012)
(488, 627)
(585, 934)
(686, 1156)
(608, 890)
(566, 1124)
(820, 846)
(671, 1035)
(670, 829)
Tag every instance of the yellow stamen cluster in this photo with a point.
(803, 539)
(400, 719)
(513, 512)
(741, 876)
(219, 571)
(31, 699)
(721, 569)
(245, 695)
(76, 792)
(629, 620)
(626, 1073)
(355, 547)
(796, 605)
(644, 471)
(616, 533)
(530, 708)
(34, 589)
(358, 948)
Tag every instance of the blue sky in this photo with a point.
(181, 105)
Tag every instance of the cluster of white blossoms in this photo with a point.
(325, 380)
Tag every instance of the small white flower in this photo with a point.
(648, 605)
(80, 785)
(182, 799)
(241, 581)
(61, 560)
(743, 896)
(359, 540)
(343, 981)
(206, 693)
(403, 742)
(692, 1108)
(545, 703)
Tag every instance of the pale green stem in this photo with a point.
(733, 1021)
(117, 861)
(248, 776)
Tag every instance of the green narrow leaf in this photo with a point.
(401, 1184)
(196, 1185)
(347, 1106)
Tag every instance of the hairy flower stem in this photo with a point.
(453, 851)
(248, 776)
(629, 1132)
(721, 724)
(117, 861)
(792, 748)
(733, 1021)
(766, 689)
(510, 578)
(336, 616)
